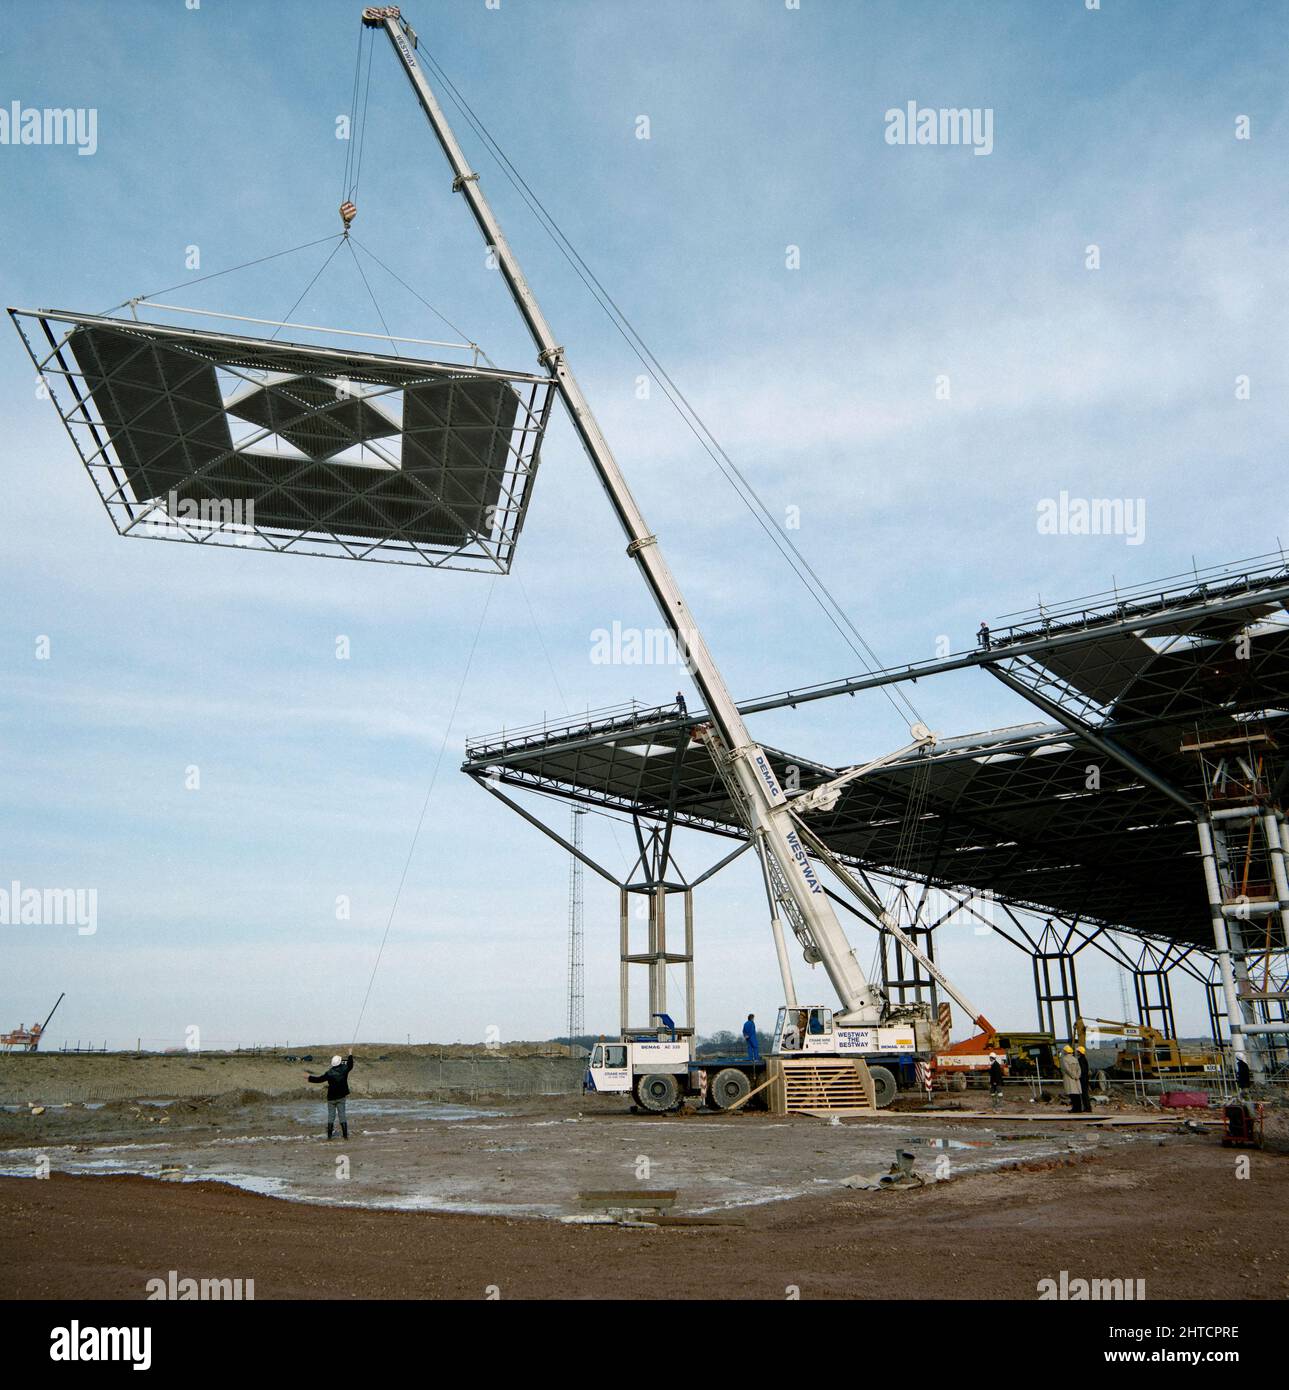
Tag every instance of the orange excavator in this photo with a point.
(1022, 1054)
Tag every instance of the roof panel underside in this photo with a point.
(1036, 815)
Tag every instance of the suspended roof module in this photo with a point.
(221, 439)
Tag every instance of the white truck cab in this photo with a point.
(614, 1067)
(608, 1071)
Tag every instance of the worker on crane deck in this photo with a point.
(1085, 1080)
(337, 1078)
(1071, 1082)
(749, 1037)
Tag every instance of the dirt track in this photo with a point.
(1175, 1216)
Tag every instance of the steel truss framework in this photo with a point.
(645, 891)
(1087, 818)
(227, 440)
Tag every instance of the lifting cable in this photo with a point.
(353, 107)
(316, 274)
(371, 294)
(460, 332)
(425, 805)
(215, 274)
(357, 123)
(804, 571)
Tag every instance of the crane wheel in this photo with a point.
(727, 1088)
(658, 1092)
(884, 1088)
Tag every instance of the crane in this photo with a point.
(25, 1039)
(777, 826)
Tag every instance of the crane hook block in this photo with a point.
(347, 214)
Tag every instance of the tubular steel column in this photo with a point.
(1209, 845)
(576, 914)
(656, 864)
(658, 952)
(690, 1015)
(624, 958)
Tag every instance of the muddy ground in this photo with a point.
(526, 1158)
(1168, 1211)
(445, 1193)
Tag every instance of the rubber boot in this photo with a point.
(331, 1130)
(344, 1129)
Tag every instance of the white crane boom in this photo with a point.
(794, 883)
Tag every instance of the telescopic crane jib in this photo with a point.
(774, 821)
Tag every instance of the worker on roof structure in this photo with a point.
(680, 702)
(983, 640)
(1071, 1081)
(749, 1037)
(1085, 1080)
(337, 1078)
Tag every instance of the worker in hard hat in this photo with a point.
(1085, 1080)
(1071, 1082)
(337, 1078)
(995, 1074)
(1069, 1079)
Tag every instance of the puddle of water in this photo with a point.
(373, 1108)
(254, 1139)
(942, 1143)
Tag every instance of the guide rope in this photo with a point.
(425, 806)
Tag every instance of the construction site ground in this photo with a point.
(433, 1196)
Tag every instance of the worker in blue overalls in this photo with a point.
(749, 1036)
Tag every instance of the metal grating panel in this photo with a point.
(222, 439)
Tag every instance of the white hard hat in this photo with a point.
(336, 1060)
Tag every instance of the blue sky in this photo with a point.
(1114, 128)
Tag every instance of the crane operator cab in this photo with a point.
(808, 1029)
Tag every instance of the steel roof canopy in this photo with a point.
(223, 439)
(1012, 812)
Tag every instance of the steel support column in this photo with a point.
(1210, 843)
